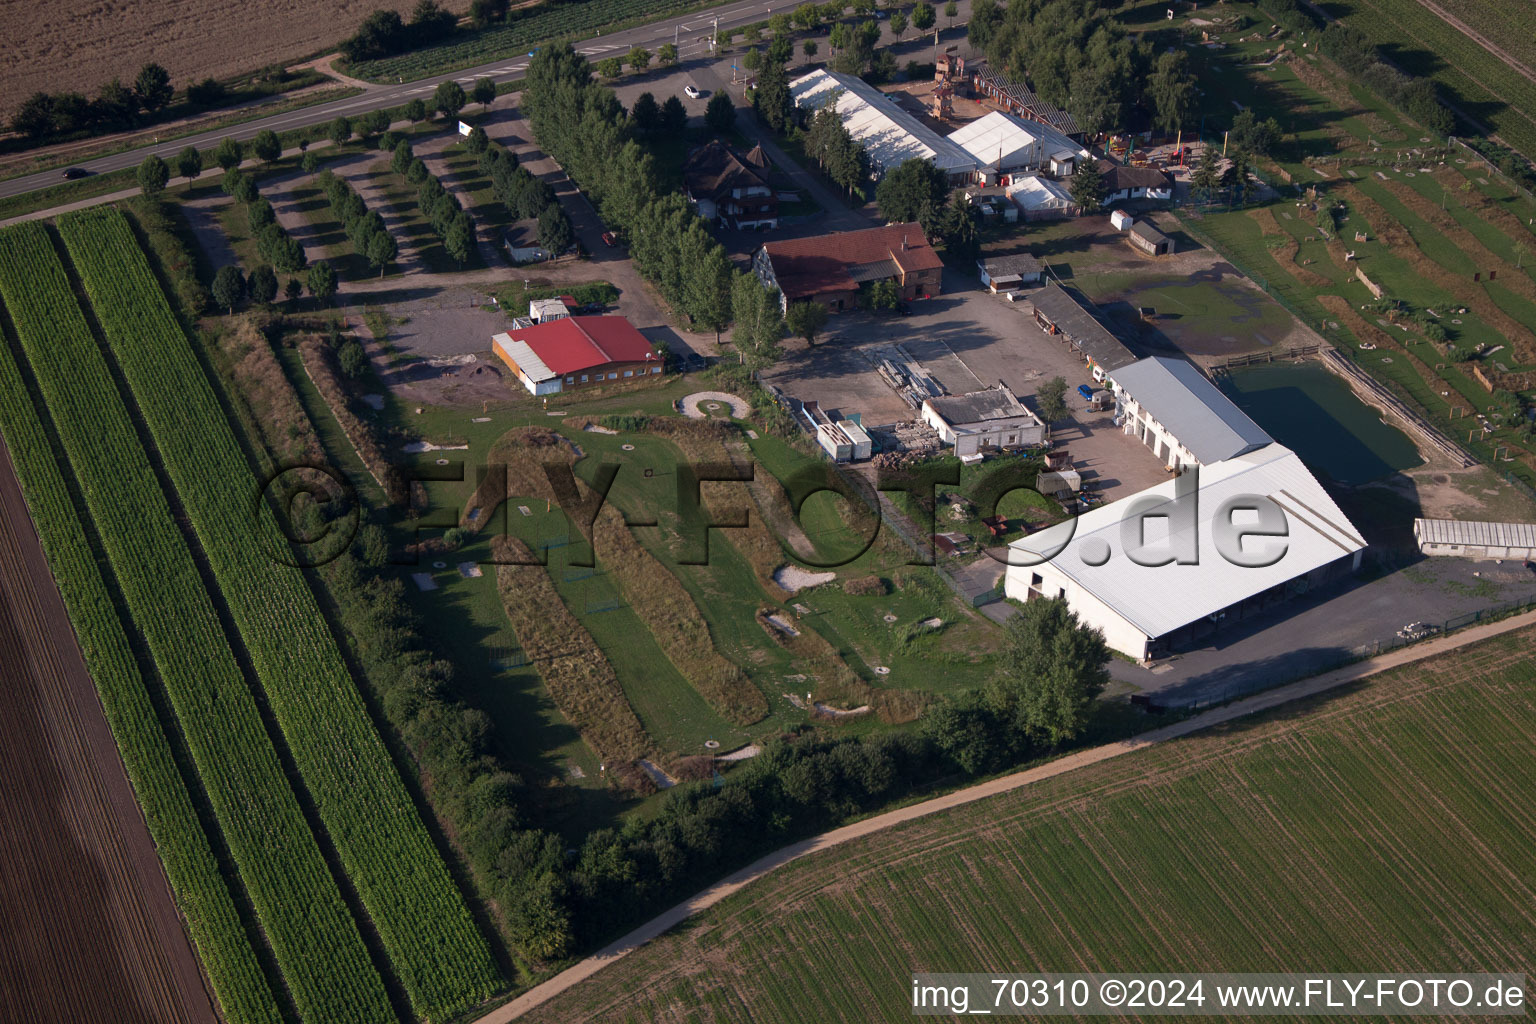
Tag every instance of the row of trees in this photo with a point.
(585, 128)
(365, 228)
(449, 220)
(275, 245)
(524, 195)
(384, 33)
(44, 115)
(230, 286)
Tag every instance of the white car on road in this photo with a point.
(691, 91)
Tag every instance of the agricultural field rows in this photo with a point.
(434, 946)
(1386, 826)
(313, 938)
(564, 21)
(1454, 59)
(202, 896)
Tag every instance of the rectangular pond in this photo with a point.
(1316, 415)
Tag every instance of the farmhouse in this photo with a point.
(576, 351)
(1123, 183)
(1005, 273)
(1074, 319)
(1172, 408)
(981, 420)
(830, 268)
(1004, 145)
(1184, 575)
(731, 187)
(1148, 239)
(1475, 540)
(1041, 198)
(888, 133)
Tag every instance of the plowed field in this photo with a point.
(88, 930)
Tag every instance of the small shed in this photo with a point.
(844, 440)
(1004, 273)
(1059, 483)
(543, 310)
(1149, 240)
(1466, 539)
(1120, 220)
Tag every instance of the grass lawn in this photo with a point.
(1369, 829)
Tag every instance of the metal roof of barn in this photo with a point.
(1157, 600)
(1000, 139)
(889, 134)
(1192, 409)
(1075, 317)
(1475, 534)
(1027, 102)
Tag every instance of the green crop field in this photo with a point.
(202, 896)
(1382, 828)
(1425, 44)
(434, 946)
(312, 935)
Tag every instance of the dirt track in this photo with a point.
(89, 933)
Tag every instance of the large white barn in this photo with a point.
(1172, 408)
(888, 133)
(1004, 144)
(1145, 609)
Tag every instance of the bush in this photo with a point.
(865, 586)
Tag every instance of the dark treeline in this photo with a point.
(585, 128)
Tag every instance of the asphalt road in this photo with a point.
(691, 33)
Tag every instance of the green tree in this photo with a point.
(645, 115)
(781, 24)
(898, 23)
(555, 232)
(482, 13)
(116, 104)
(1206, 178)
(1251, 135)
(914, 186)
(449, 99)
(153, 87)
(720, 114)
(781, 50)
(189, 162)
(340, 131)
(922, 17)
(951, 11)
(262, 284)
(808, 48)
(752, 60)
(228, 154)
(484, 92)
(772, 100)
(674, 117)
(477, 142)
(1235, 177)
(153, 176)
(351, 358)
(1087, 188)
(459, 239)
(610, 67)
(1051, 398)
(35, 117)
(260, 214)
(321, 280)
(373, 123)
(265, 146)
(293, 290)
(400, 160)
(381, 250)
(966, 731)
(228, 287)
(806, 319)
(759, 322)
(309, 163)
(806, 17)
(1051, 670)
(666, 54)
(881, 294)
(638, 58)
(416, 110)
(1171, 88)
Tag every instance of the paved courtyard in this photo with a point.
(968, 339)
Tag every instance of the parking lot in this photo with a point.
(968, 339)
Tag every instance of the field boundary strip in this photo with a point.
(421, 918)
(298, 904)
(1257, 704)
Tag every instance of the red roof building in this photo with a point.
(576, 351)
(830, 268)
